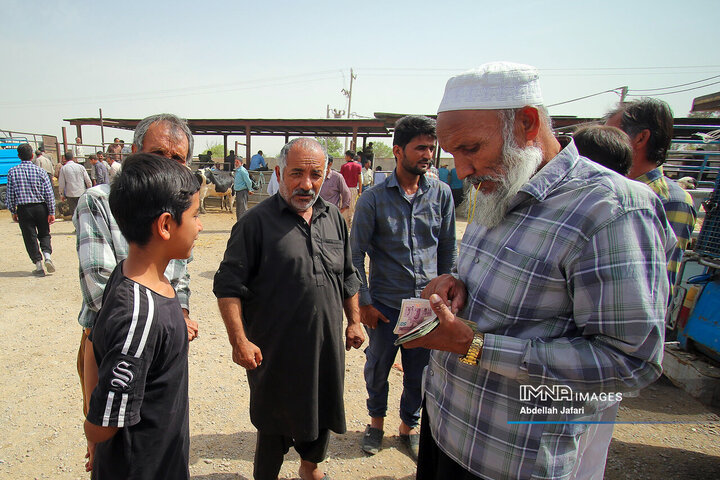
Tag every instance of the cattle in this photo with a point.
(215, 183)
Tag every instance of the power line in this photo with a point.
(614, 90)
(675, 86)
(677, 91)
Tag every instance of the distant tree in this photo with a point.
(218, 151)
(382, 150)
(333, 146)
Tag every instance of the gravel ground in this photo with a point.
(41, 417)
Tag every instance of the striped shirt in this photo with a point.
(570, 290)
(101, 245)
(28, 183)
(679, 209)
(409, 241)
(141, 348)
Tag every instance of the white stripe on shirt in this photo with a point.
(121, 413)
(108, 409)
(148, 324)
(133, 324)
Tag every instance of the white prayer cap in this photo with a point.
(493, 86)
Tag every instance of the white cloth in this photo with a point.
(73, 180)
(273, 185)
(78, 153)
(493, 86)
(114, 169)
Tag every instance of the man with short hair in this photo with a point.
(72, 182)
(243, 188)
(608, 146)
(101, 245)
(31, 202)
(43, 162)
(405, 254)
(113, 158)
(561, 274)
(649, 124)
(77, 150)
(351, 172)
(334, 191)
(290, 340)
(366, 174)
(257, 161)
(98, 171)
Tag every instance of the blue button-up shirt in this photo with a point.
(242, 179)
(570, 289)
(28, 183)
(409, 241)
(256, 161)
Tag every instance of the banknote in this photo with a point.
(414, 314)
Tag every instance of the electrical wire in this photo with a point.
(676, 91)
(615, 90)
(674, 86)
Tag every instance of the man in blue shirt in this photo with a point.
(31, 202)
(406, 225)
(257, 161)
(243, 188)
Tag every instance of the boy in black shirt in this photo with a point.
(137, 423)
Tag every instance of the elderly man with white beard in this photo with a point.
(561, 277)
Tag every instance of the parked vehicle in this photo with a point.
(8, 159)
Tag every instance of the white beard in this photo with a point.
(520, 164)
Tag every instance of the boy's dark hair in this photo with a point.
(25, 151)
(148, 186)
(655, 116)
(608, 146)
(411, 126)
(350, 153)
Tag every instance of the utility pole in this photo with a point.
(623, 93)
(349, 95)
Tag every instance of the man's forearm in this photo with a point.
(352, 309)
(231, 313)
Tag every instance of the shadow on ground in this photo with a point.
(650, 462)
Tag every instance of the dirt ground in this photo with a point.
(40, 406)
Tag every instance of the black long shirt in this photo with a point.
(292, 278)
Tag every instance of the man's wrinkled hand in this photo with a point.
(451, 334)
(369, 316)
(354, 336)
(247, 355)
(451, 290)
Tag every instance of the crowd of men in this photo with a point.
(562, 278)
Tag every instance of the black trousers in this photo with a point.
(33, 219)
(270, 450)
(433, 463)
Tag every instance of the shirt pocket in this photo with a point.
(520, 286)
(332, 253)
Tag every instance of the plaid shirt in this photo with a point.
(571, 290)
(409, 242)
(101, 246)
(679, 209)
(28, 183)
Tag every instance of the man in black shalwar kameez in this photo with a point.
(282, 286)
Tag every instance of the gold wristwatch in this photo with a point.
(473, 353)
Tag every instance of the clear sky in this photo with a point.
(290, 59)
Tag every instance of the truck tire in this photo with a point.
(3, 197)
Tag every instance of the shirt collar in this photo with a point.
(554, 172)
(652, 175)
(391, 181)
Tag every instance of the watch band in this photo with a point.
(473, 354)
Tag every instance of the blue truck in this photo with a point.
(8, 159)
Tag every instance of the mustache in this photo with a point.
(302, 191)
